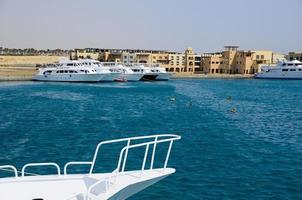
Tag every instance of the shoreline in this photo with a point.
(30, 78)
(213, 76)
(16, 73)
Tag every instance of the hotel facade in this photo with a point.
(229, 61)
(234, 61)
(187, 62)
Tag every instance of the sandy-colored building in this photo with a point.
(188, 62)
(234, 61)
(176, 63)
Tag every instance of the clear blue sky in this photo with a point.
(204, 25)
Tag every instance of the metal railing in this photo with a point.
(40, 164)
(9, 168)
(148, 142)
(156, 140)
(74, 163)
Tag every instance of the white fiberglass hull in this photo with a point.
(110, 77)
(279, 75)
(149, 77)
(130, 77)
(164, 76)
(70, 77)
(74, 187)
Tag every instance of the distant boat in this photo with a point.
(118, 184)
(283, 70)
(163, 75)
(155, 73)
(108, 74)
(125, 73)
(68, 71)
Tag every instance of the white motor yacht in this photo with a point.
(118, 184)
(108, 74)
(68, 71)
(147, 72)
(283, 70)
(125, 73)
(163, 75)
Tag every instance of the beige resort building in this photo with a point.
(187, 62)
(234, 61)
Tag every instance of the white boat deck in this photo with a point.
(119, 184)
(63, 187)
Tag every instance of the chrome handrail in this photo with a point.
(153, 140)
(40, 164)
(13, 169)
(75, 163)
(172, 136)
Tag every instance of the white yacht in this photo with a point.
(125, 73)
(283, 70)
(163, 75)
(147, 73)
(68, 71)
(109, 75)
(118, 184)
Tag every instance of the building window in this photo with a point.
(257, 57)
(262, 56)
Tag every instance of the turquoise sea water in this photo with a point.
(253, 153)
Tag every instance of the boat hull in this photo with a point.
(70, 78)
(163, 76)
(74, 187)
(110, 77)
(294, 76)
(149, 77)
(130, 77)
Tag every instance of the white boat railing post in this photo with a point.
(7, 167)
(40, 164)
(74, 163)
(153, 152)
(145, 158)
(168, 154)
(126, 154)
